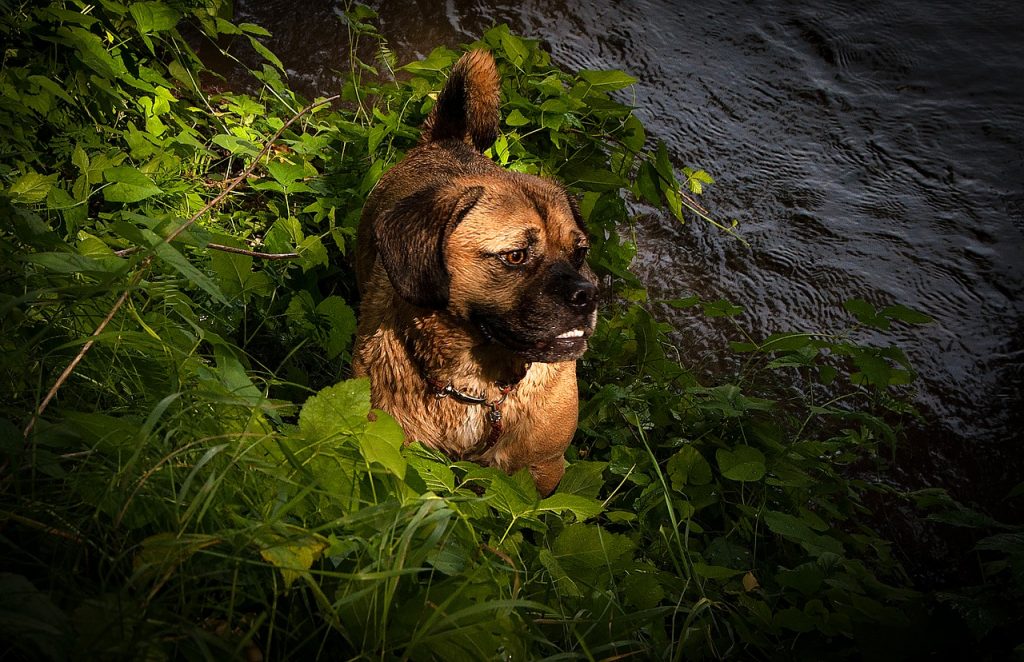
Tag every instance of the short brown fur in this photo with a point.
(446, 300)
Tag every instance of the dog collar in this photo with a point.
(443, 390)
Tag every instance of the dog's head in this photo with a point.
(503, 252)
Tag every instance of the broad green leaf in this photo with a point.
(580, 506)
(92, 52)
(252, 28)
(128, 184)
(266, 53)
(607, 80)
(798, 531)
(642, 589)
(515, 49)
(437, 476)
(294, 557)
(516, 118)
(236, 145)
(341, 324)
(381, 442)
(285, 172)
(592, 179)
(688, 467)
(785, 341)
(666, 171)
(721, 308)
(866, 313)
(336, 410)
(646, 184)
(515, 497)
(312, 253)
(31, 188)
(794, 619)
(805, 578)
(154, 16)
(563, 583)
(874, 369)
(743, 463)
(586, 550)
(439, 59)
(51, 87)
(583, 478)
(905, 314)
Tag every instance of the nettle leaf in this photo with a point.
(688, 467)
(642, 589)
(744, 463)
(336, 410)
(586, 550)
(580, 506)
(382, 441)
(583, 478)
(515, 495)
(437, 476)
(312, 253)
(340, 323)
(31, 188)
(128, 184)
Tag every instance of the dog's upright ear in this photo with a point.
(467, 107)
(410, 240)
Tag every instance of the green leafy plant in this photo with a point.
(187, 472)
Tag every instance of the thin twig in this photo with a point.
(263, 256)
(149, 260)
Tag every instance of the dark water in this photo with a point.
(869, 149)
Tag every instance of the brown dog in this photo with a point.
(477, 299)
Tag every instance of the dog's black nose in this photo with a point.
(583, 297)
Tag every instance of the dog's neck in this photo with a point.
(450, 351)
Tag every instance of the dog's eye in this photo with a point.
(516, 258)
(579, 256)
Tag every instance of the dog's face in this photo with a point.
(506, 254)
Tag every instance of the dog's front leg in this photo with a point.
(547, 474)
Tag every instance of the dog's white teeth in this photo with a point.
(575, 333)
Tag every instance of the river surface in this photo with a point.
(869, 149)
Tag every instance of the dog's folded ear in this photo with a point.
(467, 107)
(410, 240)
